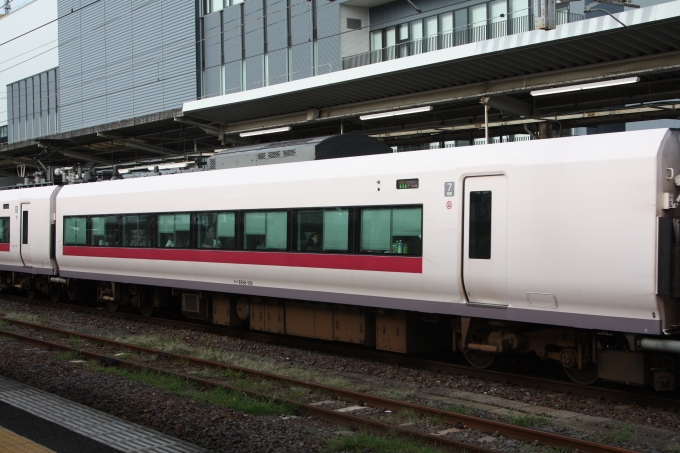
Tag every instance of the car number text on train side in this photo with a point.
(243, 282)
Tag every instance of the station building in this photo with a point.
(111, 80)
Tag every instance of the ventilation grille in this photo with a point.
(289, 153)
(274, 154)
(190, 302)
(290, 143)
(212, 164)
(261, 156)
(354, 24)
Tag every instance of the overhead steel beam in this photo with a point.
(571, 116)
(207, 128)
(512, 85)
(136, 144)
(508, 104)
(84, 157)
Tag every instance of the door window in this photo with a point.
(480, 225)
(24, 225)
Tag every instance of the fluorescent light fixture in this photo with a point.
(586, 86)
(396, 113)
(265, 131)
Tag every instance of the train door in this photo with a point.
(24, 245)
(484, 239)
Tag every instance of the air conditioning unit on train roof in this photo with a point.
(318, 148)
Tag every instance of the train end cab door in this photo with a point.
(485, 240)
(24, 244)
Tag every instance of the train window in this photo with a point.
(137, 230)
(395, 230)
(4, 230)
(265, 230)
(323, 230)
(480, 225)
(216, 230)
(174, 230)
(104, 231)
(75, 232)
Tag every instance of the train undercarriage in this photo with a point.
(586, 356)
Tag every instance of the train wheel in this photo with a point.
(55, 293)
(480, 359)
(585, 376)
(112, 305)
(30, 293)
(147, 309)
(72, 291)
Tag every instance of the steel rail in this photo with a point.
(318, 412)
(452, 418)
(593, 391)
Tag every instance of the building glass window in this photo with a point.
(392, 230)
(376, 46)
(461, 26)
(4, 230)
(519, 16)
(104, 231)
(480, 225)
(323, 230)
(217, 5)
(446, 29)
(403, 32)
(498, 10)
(431, 31)
(216, 230)
(416, 37)
(478, 22)
(75, 231)
(137, 230)
(265, 230)
(174, 230)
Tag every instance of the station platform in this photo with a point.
(34, 421)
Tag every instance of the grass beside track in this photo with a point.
(527, 420)
(236, 400)
(364, 442)
(25, 317)
(237, 359)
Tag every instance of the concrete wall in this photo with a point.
(121, 59)
(353, 42)
(31, 54)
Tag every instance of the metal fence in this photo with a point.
(492, 28)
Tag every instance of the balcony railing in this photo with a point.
(494, 28)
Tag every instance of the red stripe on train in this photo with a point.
(4, 247)
(413, 265)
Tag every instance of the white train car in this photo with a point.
(27, 239)
(561, 247)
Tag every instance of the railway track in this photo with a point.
(599, 392)
(342, 417)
